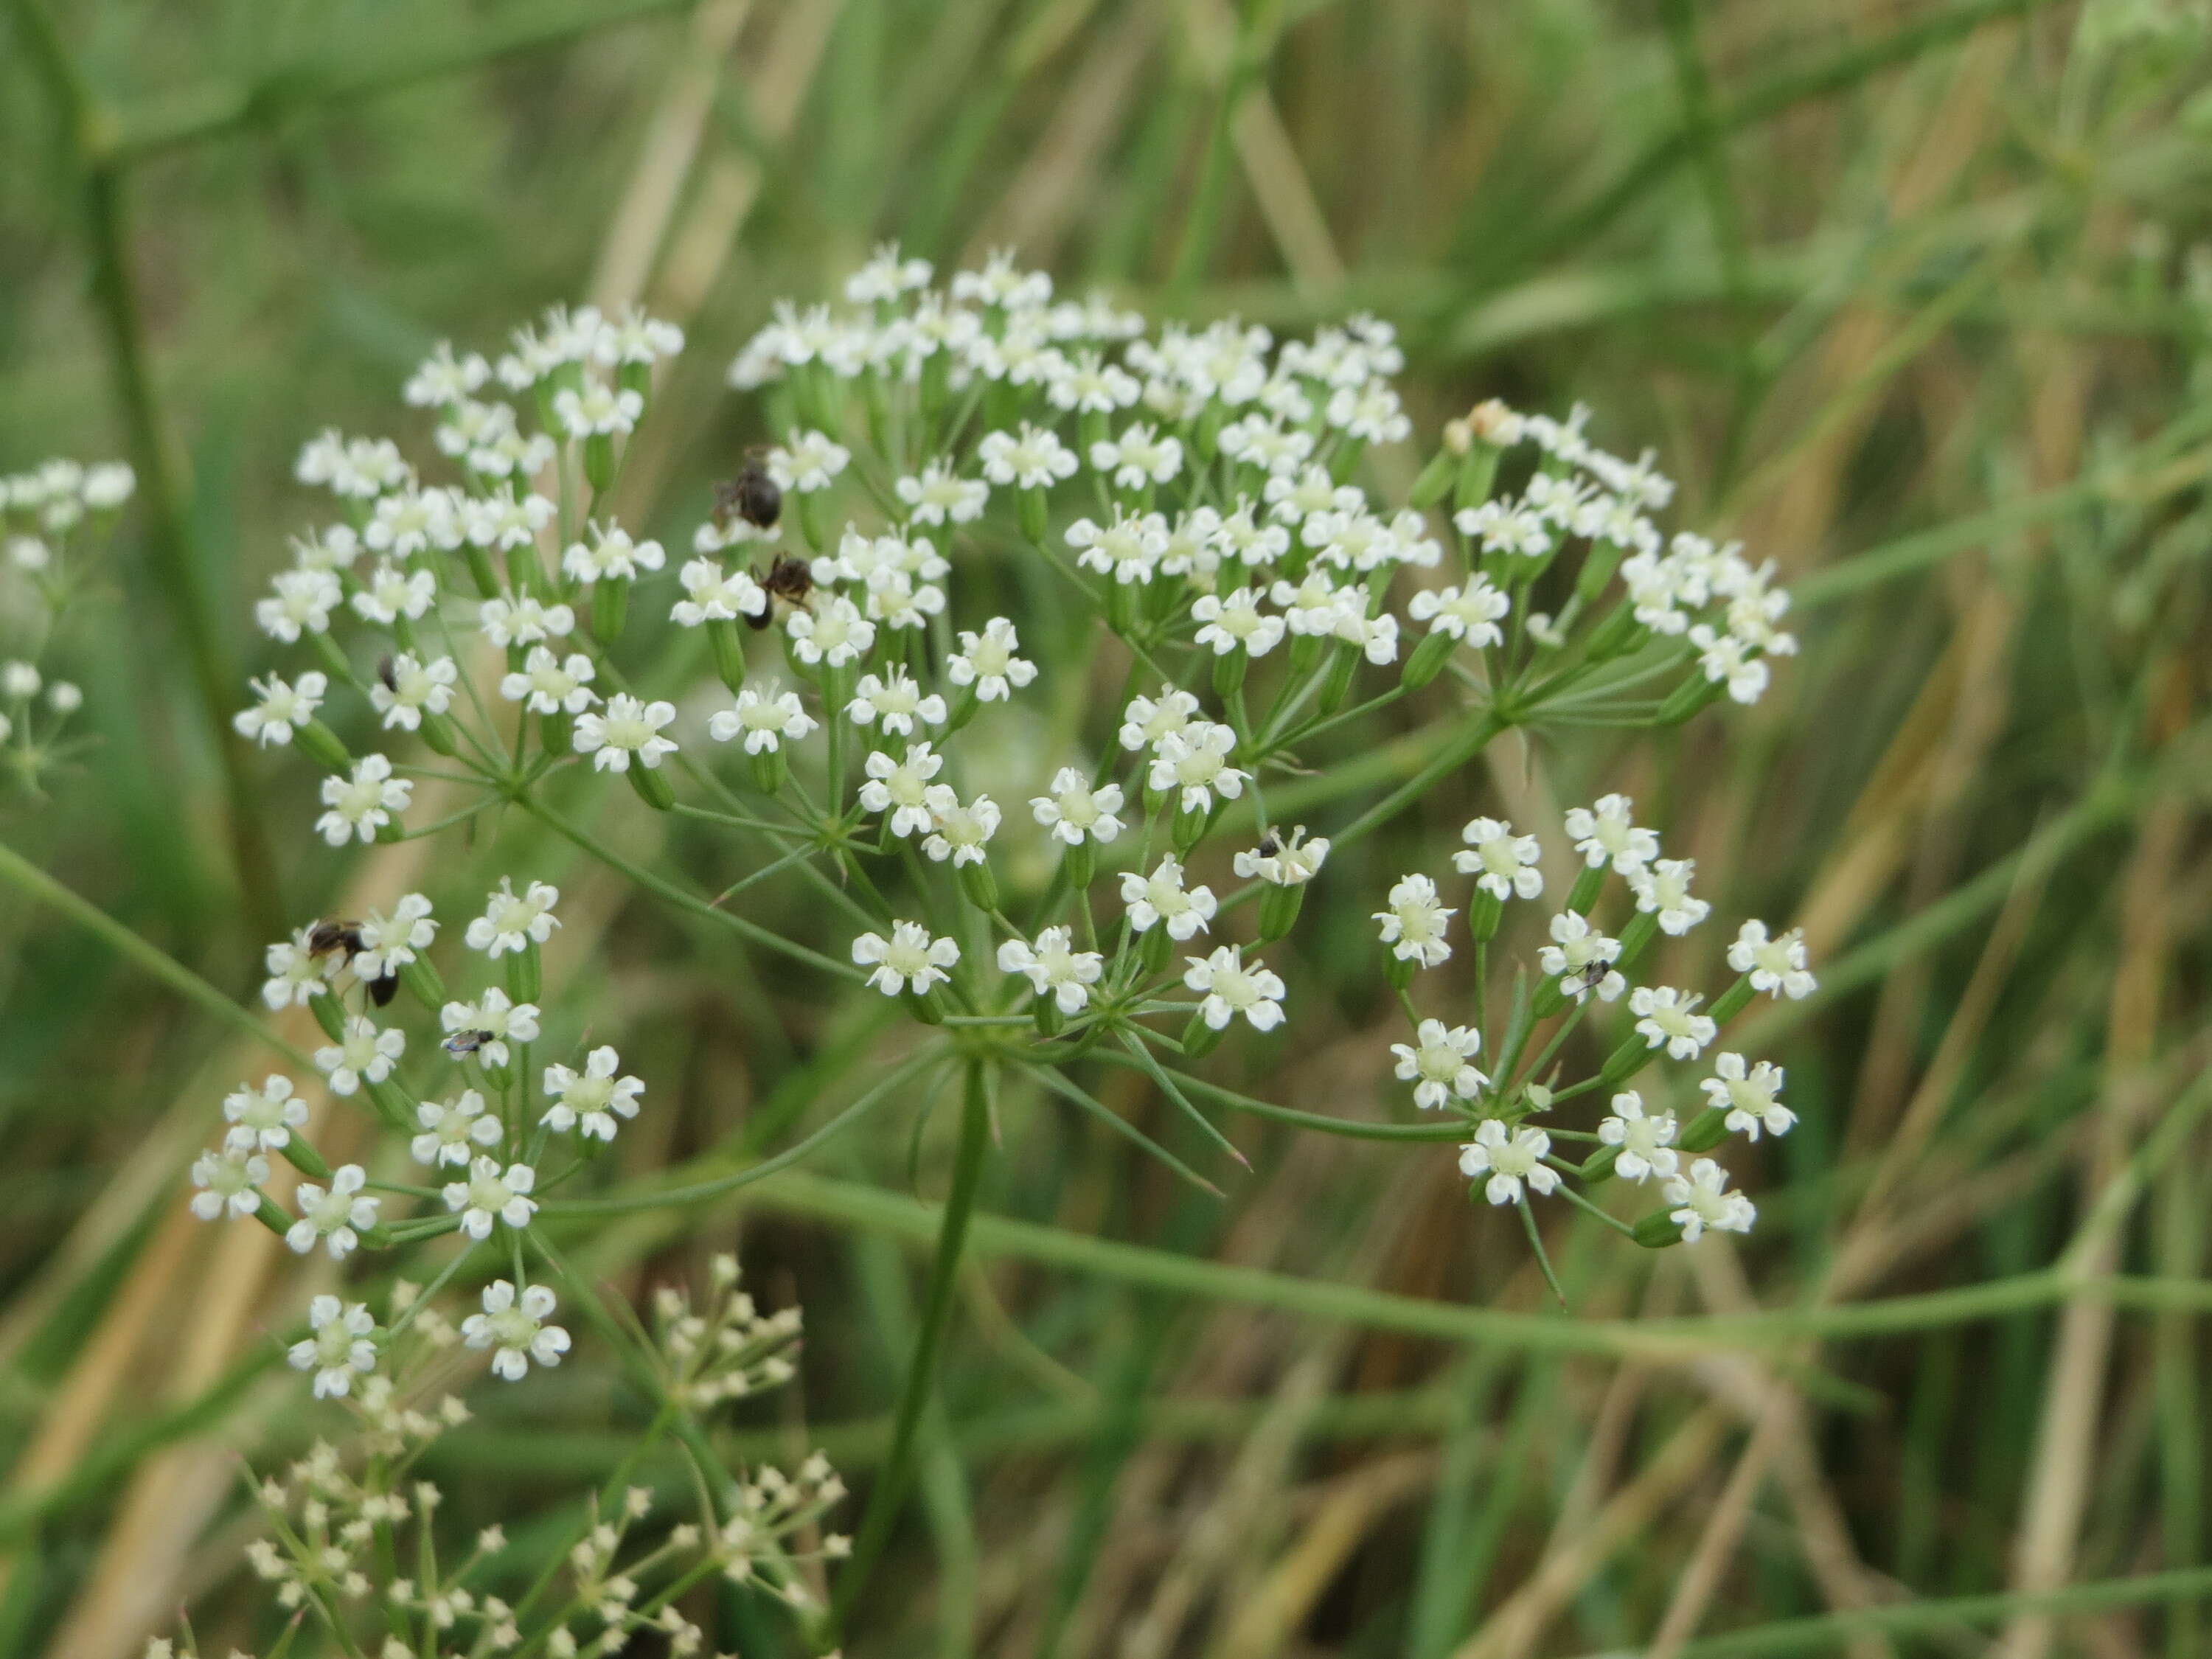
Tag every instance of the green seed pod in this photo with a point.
(1428, 659)
(1657, 1231)
(319, 741)
(652, 786)
(1199, 1039)
(1278, 909)
(1704, 1132)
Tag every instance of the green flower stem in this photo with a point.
(1351, 1129)
(888, 1493)
(28, 879)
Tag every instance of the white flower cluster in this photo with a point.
(53, 522)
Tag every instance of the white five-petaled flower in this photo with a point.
(901, 787)
(491, 1194)
(515, 1328)
(1233, 986)
(1161, 898)
(1776, 965)
(1646, 1139)
(1605, 834)
(1236, 621)
(1139, 457)
(1582, 958)
(549, 684)
(362, 1055)
(958, 831)
(1283, 861)
(939, 495)
(1148, 720)
(389, 943)
(262, 1119)
(391, 593)
(896, 700)
(1031, 458)
(336, 1215)
(909, 960)
(1194, 763)
(1074, 811)
(405, 689)
(526, 620)
(1728, 659)
(712, 594)
(597, 411)
(1439, 1063)
(363, 802)
(630, 728)
(1129, 550)
(1663, 889)
(1469, 612)
(589, 1102)
(767, 718)
(1703, 1201)
(340, 1345)
(297, 971)
(1503, 864)
(229, 1182)
(833, 632)
(1413, 927)
(512, 921)
(492, 1021)
(1053, 967)
(1749, 1093)
(302, 602)
(611, 556)
(452, 1134)
(1669, 1018)
(808, 463)
(1511, 1161)
(283, 708)
(988, 661)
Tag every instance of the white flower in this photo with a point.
(591, 1100)
(1162, 897)
(939, 495)
(362, 1055)
(229, 1182)
(283, 708)
(1377, 636)
(405, 689)
(391, 593)
(1129, 550)
(303, 601)
(897, 700)
(1139, 457)
(491, 1194)
(1470, 612)
(1075, 810)
(444, 378)
(909, 959)
(1195, 762)
(958, 832)
(901, 787)
(1646, 1141)
(1727, 659)
(1501, 863)
(1032, 458)
(1092, 386)
(808, 463)
(1702, 1202)
(597, 410)
(1579, 956)
(551, 686)
(342, 1346)
(611, 556)
(516, 1329)
(1147, 721)
(1748, 1092)
(64, 697)
(1314, 605)
(389, 943)
(1236, 620)
(1232, 986)
(362, 803)
(715, 595)
(988, 661)
(767, 718)
(1055, 967)
(264, 1118)
(336, 1216)
(1511, 1161)
(630, 727)
(833, 632)
(493, 1020)
(1283, 861)
(1437, 1063)
(1604, 834)
(526, 620)
(1414, 924)
(1665, 888)
(510, 921)
(1669, 1017)
(886, 276)
(1777, 966)
(451, 1133)
(297, 971)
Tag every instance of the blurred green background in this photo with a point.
(1911, 295)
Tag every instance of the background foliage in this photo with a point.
(1908, 292)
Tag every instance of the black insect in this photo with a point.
(1269, 845)
(789, 579)
(335, 937)
(387, 672)
(752, 495)
(462, 1043)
